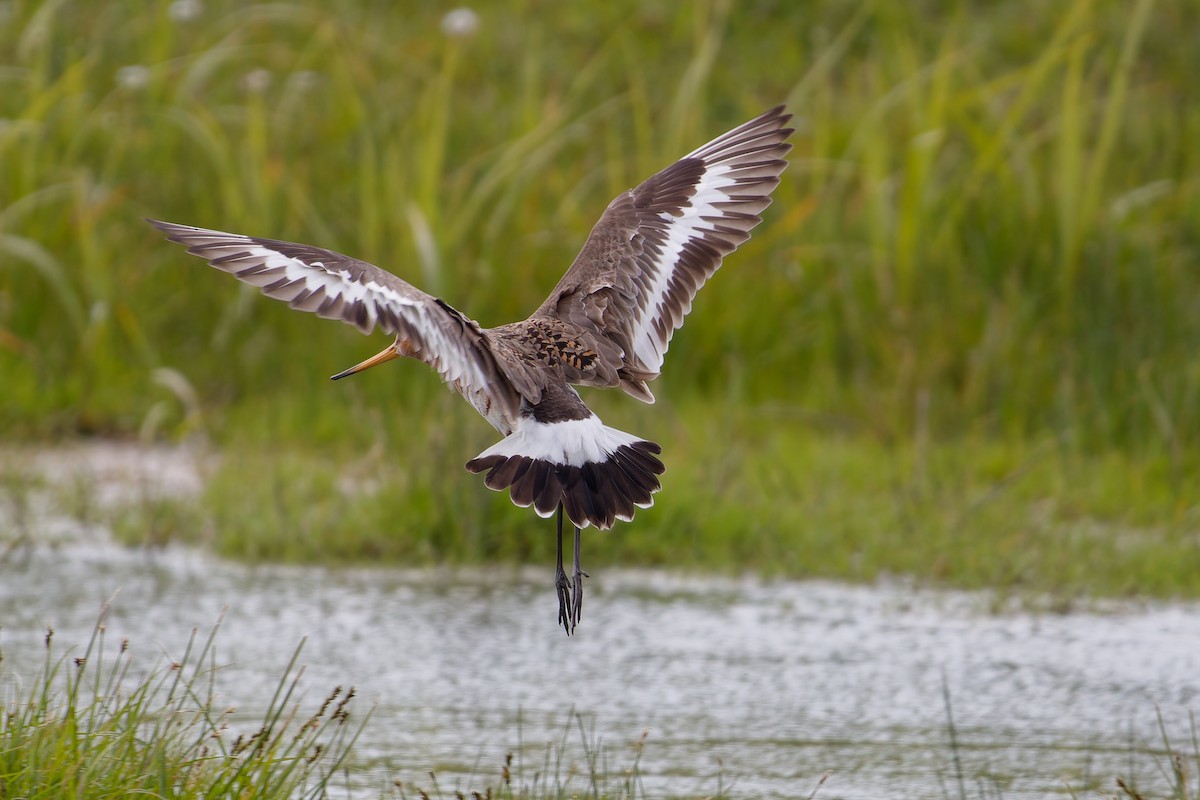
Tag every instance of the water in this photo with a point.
(754, 688)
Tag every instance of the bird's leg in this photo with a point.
(579, 575)
(560, 583)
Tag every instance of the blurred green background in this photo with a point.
(964, 345)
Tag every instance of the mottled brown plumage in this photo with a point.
(608, 323)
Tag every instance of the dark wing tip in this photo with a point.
(165, 227)
(778, 112)
(176, 232)
(168, 227)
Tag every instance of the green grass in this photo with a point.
(96, 724)
(564, 771)
(1032, 521)
(963, 345)
(90, 728)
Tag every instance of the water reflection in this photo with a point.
(754, 688)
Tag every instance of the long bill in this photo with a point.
(387, 355)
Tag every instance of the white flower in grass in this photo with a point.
(460, 23)
(304, 80)
(185, 10)
(133, 77)
(256, 81)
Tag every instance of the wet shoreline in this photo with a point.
(758, 686)
(752, 687)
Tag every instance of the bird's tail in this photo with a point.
(598, 473)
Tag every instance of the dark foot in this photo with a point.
(577, 605)
(567, 613)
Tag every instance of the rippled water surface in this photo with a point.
(754, 688)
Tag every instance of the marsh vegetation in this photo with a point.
(962, 348)
(962, 345)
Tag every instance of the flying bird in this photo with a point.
(608, 323)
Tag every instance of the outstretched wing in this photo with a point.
(655, 246)
(335, 286)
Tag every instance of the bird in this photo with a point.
(608, 323)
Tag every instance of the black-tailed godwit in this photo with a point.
(607, 323)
